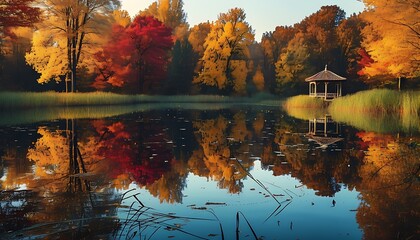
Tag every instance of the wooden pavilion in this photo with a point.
(325, 81)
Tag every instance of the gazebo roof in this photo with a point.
(325, 75)
(324, 141)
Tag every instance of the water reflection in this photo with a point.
(53, 196)
(390, 188)
(328, 133)
(175, 171)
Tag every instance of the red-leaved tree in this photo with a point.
(136, 56)
(17, 13)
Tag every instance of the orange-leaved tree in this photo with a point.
(392, 38)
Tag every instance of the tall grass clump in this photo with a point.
(50, 99)
(378, 101)
(381, 110)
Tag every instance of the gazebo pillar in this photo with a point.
(326, 90)
(310, 126)
(337, 90)
(325, 125)
(312, 89)
(340, 90)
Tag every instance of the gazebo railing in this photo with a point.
(322, 95)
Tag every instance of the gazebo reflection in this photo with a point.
(324, 131)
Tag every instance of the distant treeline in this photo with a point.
(93, 45)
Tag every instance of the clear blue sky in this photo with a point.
(262, 15)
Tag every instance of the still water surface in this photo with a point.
(224, 173)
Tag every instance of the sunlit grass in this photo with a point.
(379, 110)
(13, 100)
(379, 101)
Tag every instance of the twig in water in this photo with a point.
(257, 181)
(249, 225)
(281, 210)
(220, 224)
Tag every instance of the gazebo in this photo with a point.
(327, 78)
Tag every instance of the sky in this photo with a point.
(262, 15)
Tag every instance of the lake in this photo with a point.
(207, 172)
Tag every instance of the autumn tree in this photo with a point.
(349, 39)
(136, 56)
(14, 13)
(293, 65)
(14, 72)
(121, 17)
(258, 79)
(392, 38)
(312, 47)
(196, 38)
(170, 12)
(325, 37)
(226, 52)
(273, 44)
(68, 31)
(17, 13)
(180, 67)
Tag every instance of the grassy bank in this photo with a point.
(378, 101)
(378, 110)
(17, 100)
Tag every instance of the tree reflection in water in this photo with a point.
(59, 198)
(390, 186)
(71, 178)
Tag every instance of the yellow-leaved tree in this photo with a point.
(196, 38)
(46, 56)
(258, 79)
(64, 41)
(226, 53)
(171, 13)
(392, 37)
